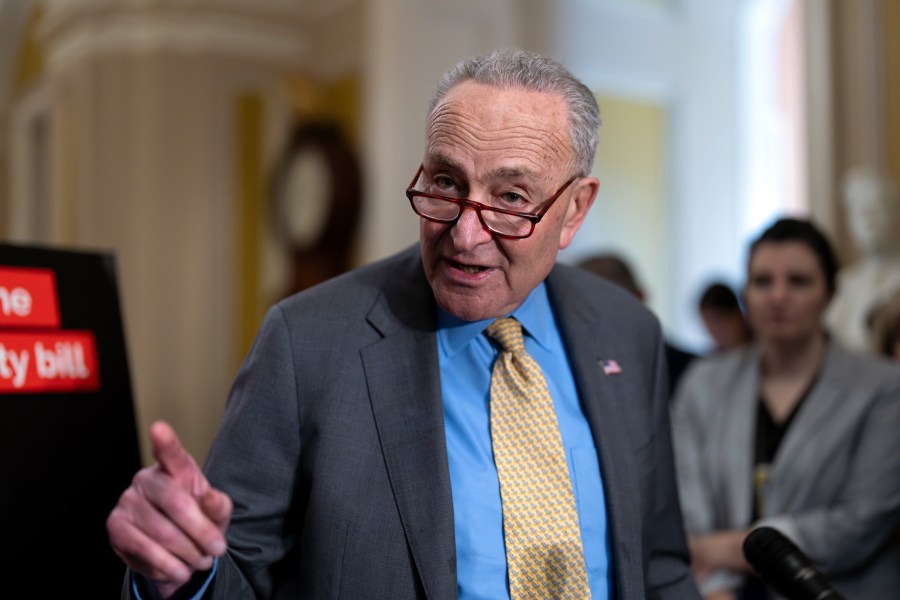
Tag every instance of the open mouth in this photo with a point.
(469, 269)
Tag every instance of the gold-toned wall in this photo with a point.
(865, 97)
(890, 33)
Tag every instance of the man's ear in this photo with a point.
(583, 196)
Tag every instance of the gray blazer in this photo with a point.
(834, 485)
(332, 445)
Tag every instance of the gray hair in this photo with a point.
(514, 68)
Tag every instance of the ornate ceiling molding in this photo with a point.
(273, 31)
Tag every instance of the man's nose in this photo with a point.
(468, 231)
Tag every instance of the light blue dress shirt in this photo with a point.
(466, 357)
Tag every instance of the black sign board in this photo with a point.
(67, 423)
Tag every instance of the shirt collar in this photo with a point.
(534, 314)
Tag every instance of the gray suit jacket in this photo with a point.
(834, 486)
(332, 445)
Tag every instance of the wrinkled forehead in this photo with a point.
(479, 122)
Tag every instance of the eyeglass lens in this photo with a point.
(445, 210)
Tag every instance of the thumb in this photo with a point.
(217, 506)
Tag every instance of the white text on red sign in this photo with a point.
(28, 298)
(60, 361)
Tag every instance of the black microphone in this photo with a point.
(783, 565)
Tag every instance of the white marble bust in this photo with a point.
(872, 208)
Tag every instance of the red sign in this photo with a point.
(28, 298)
(58, 361)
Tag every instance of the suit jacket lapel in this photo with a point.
(606, 410)
(406, 403)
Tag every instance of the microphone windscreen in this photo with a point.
(785, 567)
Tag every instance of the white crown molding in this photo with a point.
(309, 11)
(77, 30)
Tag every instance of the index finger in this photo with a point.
(168, 451)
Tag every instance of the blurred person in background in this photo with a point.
(794, 432)
(616, 269)
(720, 311)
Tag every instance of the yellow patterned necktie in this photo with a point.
(540, 523)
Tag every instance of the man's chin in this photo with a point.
(465, 312)
(471, 307)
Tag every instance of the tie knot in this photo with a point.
(508, 333)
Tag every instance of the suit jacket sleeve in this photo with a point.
(691, 427)
(332, 448)
(257, 465)
(668, 573)
(255, 456)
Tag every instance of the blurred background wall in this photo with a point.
(232, 151)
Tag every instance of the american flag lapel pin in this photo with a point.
(610, 367)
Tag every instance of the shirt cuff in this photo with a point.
(135, 589)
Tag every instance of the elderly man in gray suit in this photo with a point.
(466, 419)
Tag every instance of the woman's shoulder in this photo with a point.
(859, 366)
(710, 379)
(722, 365)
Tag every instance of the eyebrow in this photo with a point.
(500, 173)
(513, 173)
(445, 161)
